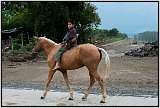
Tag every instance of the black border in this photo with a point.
(81, 106)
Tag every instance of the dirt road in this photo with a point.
(132, 76)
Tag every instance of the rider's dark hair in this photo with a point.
(71, 21)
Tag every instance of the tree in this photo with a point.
(114, 32)
(50, 18)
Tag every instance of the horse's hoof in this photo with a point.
(70, 99)
(42, 97)
(84, 99)
(102, 101)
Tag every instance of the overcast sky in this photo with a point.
(128, 17)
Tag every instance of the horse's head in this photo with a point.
(42, 43)
(37, 46)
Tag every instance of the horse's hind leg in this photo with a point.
(100, 81)
(92, 80)
(50, 76)
(68, 84)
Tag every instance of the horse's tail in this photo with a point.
(107, 64)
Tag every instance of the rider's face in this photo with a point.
(70, 25)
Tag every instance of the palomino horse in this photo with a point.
(81, 55)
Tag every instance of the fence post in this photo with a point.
(3, 50)
(28, 36)
(22, 38)
(11, 42)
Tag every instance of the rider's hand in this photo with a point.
(63, 42)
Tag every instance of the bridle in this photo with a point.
(36, 52)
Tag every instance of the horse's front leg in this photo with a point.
(50, 76)
(68, 84)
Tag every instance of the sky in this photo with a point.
(128, 17)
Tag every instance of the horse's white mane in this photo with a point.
(48, 40)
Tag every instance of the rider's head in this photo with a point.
(70, 24)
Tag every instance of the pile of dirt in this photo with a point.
(149, 49)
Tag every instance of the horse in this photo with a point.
(81, 55)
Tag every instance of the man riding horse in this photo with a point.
(87, 55)
(69, 41)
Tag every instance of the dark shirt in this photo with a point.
(71, 34)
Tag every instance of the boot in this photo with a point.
(57, 66)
